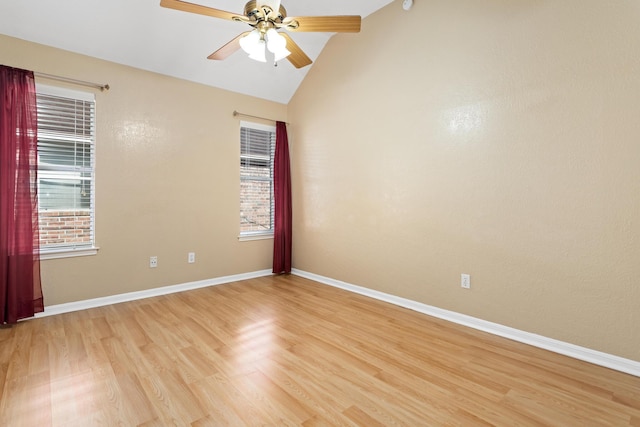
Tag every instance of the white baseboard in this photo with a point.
(132, 296)
(588, 355)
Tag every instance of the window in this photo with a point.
(257, 150)
(66, 143)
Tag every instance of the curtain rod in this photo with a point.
(237, 113)
(74, 81)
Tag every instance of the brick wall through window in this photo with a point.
(65, 227)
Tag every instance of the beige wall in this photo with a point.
(497, 138)
(167, 180)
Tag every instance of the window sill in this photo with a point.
(256, 236)
(68, 253)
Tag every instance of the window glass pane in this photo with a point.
(251, 170)
(257, 149)
(67, 153)
(255, 205)
(63, 192)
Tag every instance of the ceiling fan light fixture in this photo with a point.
(277, 45)
(254, 45)
(259, 52)
(277, 56)
(249, 43)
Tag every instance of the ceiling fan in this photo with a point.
(267, 17)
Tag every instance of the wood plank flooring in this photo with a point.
(286, 351)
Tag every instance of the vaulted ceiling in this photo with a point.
(141, 34)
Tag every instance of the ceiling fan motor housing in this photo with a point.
(264, 12)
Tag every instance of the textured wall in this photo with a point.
(497, 138)
(167, 179)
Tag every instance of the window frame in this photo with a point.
(71, 250)
(265, 234)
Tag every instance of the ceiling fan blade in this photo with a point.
(197, 8)
(298, 58)
(326, 24)
(228, 48)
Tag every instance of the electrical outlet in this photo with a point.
(153, 262)
(191, 257)
(465, 281)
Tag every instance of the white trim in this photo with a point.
(68, 253)
(132, 296)
(255, 236)
(617, 363)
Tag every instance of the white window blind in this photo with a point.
(66, 158)
(257, 151)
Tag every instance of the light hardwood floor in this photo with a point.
(286, 351)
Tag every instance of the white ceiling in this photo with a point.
(144, 35)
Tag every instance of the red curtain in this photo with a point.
(20, 289)
(282, 198)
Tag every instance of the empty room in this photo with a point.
(320, 213)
